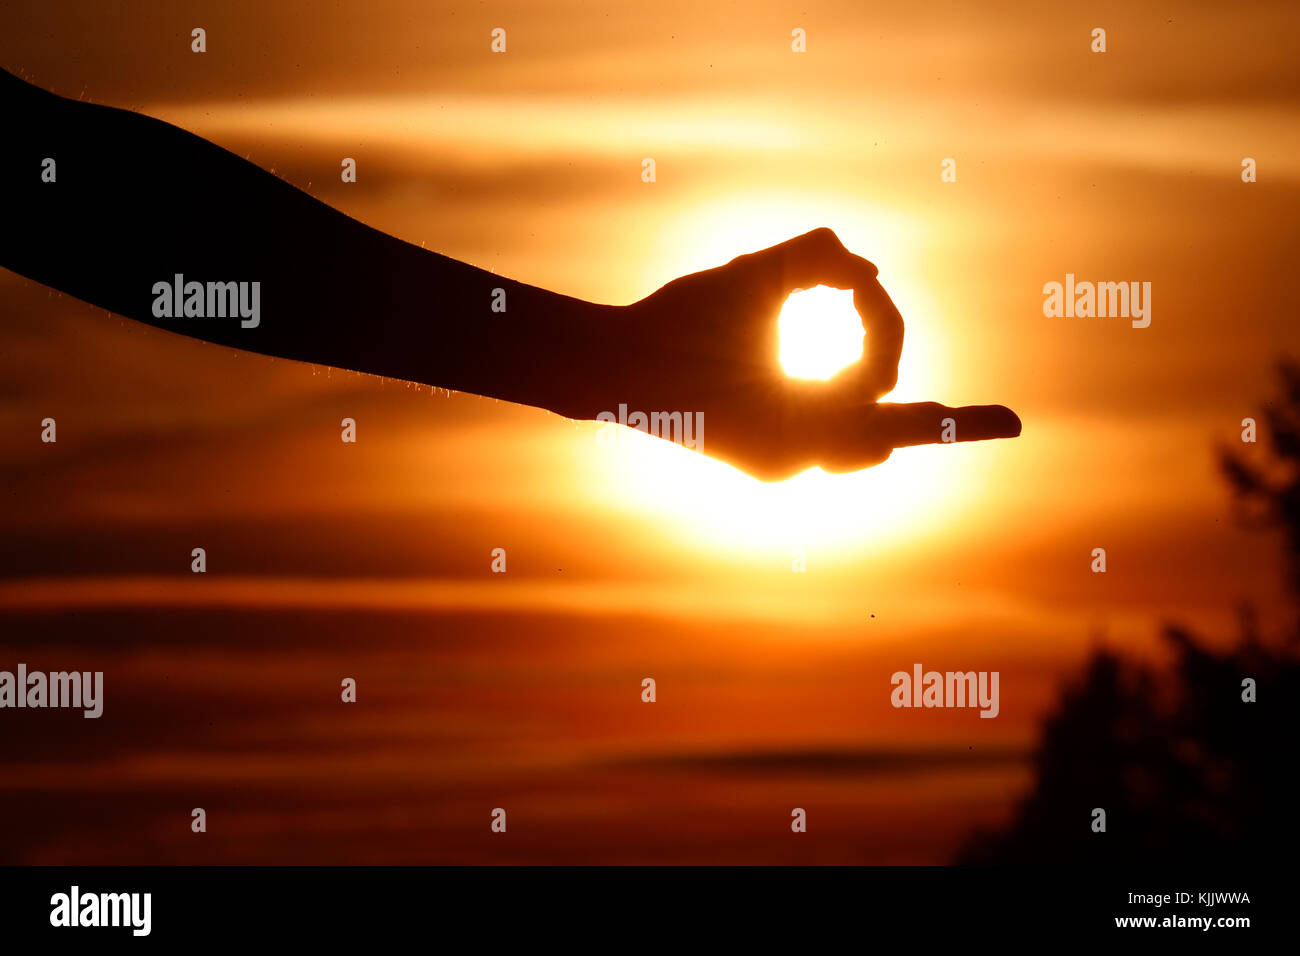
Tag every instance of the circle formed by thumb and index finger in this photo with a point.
(819, 258)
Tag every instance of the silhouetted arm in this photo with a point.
(137, 202)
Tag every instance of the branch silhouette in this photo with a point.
(137, 201)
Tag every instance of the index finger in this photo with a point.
(926, 423)
(877, 373)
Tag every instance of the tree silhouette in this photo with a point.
(1186, 770)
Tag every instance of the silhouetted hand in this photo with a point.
(709, 343)
(336, 292)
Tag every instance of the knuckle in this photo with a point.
(824, 236)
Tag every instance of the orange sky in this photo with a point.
(1122, 166)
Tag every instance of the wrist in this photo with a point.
(544, 349)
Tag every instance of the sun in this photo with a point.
(915, 493)
(821, 332)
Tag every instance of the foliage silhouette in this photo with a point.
(1184, 768)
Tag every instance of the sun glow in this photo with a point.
(913, 494)
(814, 512)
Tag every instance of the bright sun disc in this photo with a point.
(820, 332)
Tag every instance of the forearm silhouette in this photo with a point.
(136, 202)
